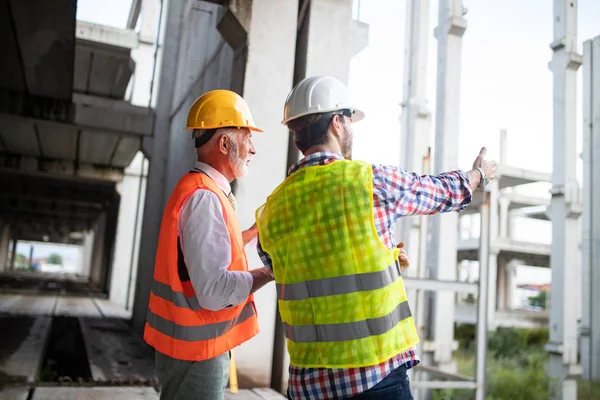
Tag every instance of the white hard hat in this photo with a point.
(318, 94)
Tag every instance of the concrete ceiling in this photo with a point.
(38, 47)
(22, 138)
(66, 132)
(37, 205)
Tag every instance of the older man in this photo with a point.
(201, 304)
(328, 234)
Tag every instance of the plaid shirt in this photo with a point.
(396, 193)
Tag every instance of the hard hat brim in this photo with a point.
(357, 115)
(252, 128)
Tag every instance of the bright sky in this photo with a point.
(506, 82)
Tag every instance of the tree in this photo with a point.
(55, 259)
(539, 300)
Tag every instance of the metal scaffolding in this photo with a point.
(456, 381)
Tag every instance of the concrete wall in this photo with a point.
(204, 64)
(129, 226)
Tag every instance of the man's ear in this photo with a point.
(337, 126)
(224, 144)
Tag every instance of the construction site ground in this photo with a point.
(60, 341)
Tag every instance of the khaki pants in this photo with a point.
(191, 380)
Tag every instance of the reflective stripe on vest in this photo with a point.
(349, 330)
(341, 296)
(177, 298)
(338, 285)
(196, 333)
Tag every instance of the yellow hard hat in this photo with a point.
(220, 109)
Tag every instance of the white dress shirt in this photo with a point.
(206, 247)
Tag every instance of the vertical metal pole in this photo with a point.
(482, 298)
(565, 258)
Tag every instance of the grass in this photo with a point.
(516, 367)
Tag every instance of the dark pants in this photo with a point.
(395, 386)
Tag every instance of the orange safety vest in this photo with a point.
(176, 325)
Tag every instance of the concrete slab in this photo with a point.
(22, 341)
(116, 353)
(77, 307)
(112, 310)
(16, 393)
(95, 393)
(268, 394)
(33, 305)
(7, 300)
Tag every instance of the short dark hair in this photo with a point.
(310, 130)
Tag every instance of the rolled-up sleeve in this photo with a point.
(415, 194)
(206, 248)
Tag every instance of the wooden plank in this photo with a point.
(268, 394)
(14, 393)
(32, 305)
(76, 307)
(96, 393)
(115, 352)
(22, 342)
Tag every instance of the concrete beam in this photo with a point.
(85, 112)
(92, 112)
(234, 24)
(512, 176)
(107, 35)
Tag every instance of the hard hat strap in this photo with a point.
(205, 137)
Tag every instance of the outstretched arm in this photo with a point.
(413, 194)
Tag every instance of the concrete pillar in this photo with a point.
(98, 253)
(565, 259)
(503, 147)
(13, 255)
(590, 322)
(87, 253)
(329, 50)
(494, 195)
(451, 27)
(157, 150)
(416, 142)
(124, 267)
(4, 244)
(503, 217)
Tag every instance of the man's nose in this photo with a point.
(252, 149)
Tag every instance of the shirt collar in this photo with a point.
(318, 158)
(215, 175)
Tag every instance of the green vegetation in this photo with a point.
(540, 300)
(55, 259)
(516, 368)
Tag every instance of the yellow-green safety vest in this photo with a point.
(341, 296)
